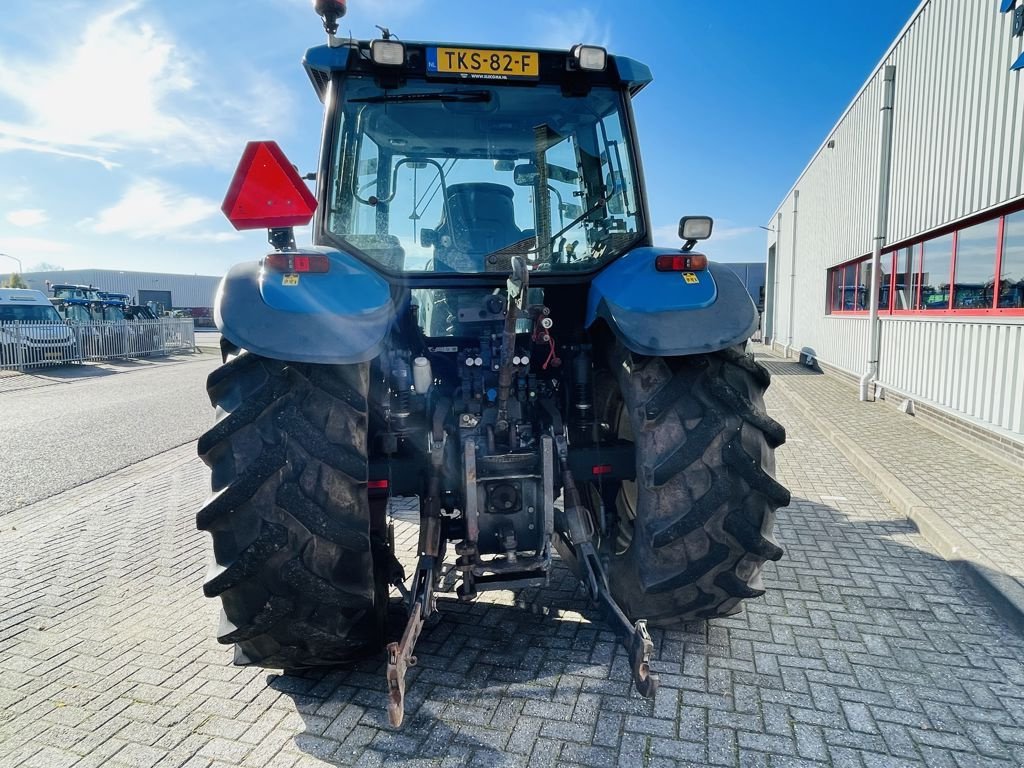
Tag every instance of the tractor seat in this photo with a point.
(480, 219)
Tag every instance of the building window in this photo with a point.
(936, 261)
(884, 286)
(954, 272)
(848, 292)
(1011, 275)
(905, 284)
(975, 276)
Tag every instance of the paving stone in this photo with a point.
(867, 649)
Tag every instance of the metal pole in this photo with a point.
(18, 343)
(881, 228)
(15, 258)
(792, 275)
(778, 268)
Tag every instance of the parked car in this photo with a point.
(31, 330)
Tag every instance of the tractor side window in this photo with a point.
(565, 189)
(367, 187)
(619, 189)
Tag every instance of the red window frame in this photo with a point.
(916, 265)
(838, 272)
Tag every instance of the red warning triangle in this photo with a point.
(266, 191)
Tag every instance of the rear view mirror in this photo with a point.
(504, 165)
(613, 191)
(564, 175)
(525, 175)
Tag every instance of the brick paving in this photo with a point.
(979, 497)
(868, 650)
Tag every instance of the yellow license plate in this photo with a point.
(476, 62)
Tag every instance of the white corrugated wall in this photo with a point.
(186, 290)
(958, 150)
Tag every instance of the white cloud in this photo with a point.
(366, 12)
(725, 232)
(27, 217)
(666, 236)
(563, 29)
(26, 248)
(126, 85)
(151, 208)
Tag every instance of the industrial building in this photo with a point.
(927, 164)
(194, 293)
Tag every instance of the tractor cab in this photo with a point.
(452, 159)
(120, 298)
(80, 292)
(74, 311)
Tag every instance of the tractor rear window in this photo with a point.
(451, 177)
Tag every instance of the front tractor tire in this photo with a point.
(694, 530)
(300, 570)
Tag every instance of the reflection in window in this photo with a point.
(836, 302)
(938, 254)
(976, 266)
(849, 288)
(905, 288)
(883, 288)
(1011, 282)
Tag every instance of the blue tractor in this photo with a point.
(485, 323)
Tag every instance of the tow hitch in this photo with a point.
(421, 599)
(588, 566)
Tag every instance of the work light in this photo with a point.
(695, 227)
(389, 53)
(590, 57)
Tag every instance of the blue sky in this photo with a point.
(121, 122)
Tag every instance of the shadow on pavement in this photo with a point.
(480, 667)
(63, 374)
(789, 368)
(855, 615)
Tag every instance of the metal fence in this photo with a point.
(25, 345)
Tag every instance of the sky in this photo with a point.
(122, 122)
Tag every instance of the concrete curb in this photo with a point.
(1005, 592)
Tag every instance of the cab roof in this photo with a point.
(22, 296)
(322, 61)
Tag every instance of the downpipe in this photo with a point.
(792, 277)
(881, 230)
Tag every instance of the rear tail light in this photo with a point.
(297, 262)
(680, 262)
(601, 469)
(377, 485)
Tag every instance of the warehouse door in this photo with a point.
(161, 299)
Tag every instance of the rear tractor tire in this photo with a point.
(694, 530)
(301, 569)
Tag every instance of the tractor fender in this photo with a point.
(665, 314)
(337, 318)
